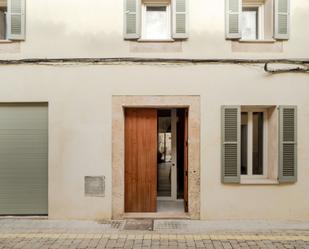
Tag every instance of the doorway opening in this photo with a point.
(171, 168)
(156, 160)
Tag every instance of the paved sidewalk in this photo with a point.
(34, 233)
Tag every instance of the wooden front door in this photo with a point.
(140, 160)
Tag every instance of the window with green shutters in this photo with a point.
(251, 19)
(137, 25)
(249, 147)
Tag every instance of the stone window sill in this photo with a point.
(258, 46)
(6, 41)
(154, 40)
(258, 181)
(147, 46)
(257, 41)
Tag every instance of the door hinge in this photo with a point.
(186, 172)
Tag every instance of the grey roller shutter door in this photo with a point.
(23, 159)
(230, 144)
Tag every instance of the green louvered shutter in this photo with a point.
(16, 19)
(282, 19)
(233, 9)
(287, 144)
(230, 144)
(132, 12)
(23, 159)
(180, 19)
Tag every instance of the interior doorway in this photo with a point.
(156, 160)
(171, 160)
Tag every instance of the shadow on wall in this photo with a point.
(55, 39)
(298, 31)
(46, 39)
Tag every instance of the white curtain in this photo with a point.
(249, 25)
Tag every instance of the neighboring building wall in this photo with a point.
(80, 126)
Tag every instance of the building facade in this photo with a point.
(154, 108)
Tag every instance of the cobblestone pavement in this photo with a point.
(45, 234)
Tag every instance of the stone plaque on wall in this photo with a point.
(95, 186)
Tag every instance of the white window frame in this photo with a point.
(261, 18)
(250, 144)
(166, 4)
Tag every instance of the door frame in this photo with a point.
(119, 103)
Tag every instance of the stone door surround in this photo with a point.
(119, 103)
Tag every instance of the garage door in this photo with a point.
(23, 159)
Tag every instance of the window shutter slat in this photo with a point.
(282, 19)
(16, 19)
(180, 19)
(233, 9)
(230, 144)
(287, 144)
(132, 10)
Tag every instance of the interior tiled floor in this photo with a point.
(164, 179)
(170, 206)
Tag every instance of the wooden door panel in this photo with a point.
(140, 160)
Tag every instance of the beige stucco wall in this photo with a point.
(78, 28)
(80, 130)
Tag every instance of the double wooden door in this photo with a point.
(141, 143)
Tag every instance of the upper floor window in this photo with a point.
(254, 20)
(250, 30)
(12, 19)
(156, 22)
(257, 19)
(155, 19)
